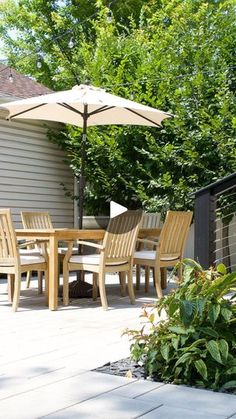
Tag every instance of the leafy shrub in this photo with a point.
(196, 343)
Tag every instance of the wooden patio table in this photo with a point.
(55, 235)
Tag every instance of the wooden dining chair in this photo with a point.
(150, 220)
(116, 255)
(41, 220)
(35, 220)
(168, 250)
(12, 263)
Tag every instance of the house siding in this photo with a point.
(32, 171)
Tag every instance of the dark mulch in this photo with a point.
(123, 367)
(128, 368)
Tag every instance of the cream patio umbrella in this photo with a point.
(85, 106)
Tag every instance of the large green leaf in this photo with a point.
(174, 305)
(226, 313)
(221, 268)
(224, 348)
(186, 312)
(214, 350)
(196, 343)
(201, 368)
(184, 358)
(188, 272)
(201, 302)
(178, 329)
(213, 313)
(208, 331)
(229, 384)
(165, 350)
(175, 342)
(231, 371)
(222, 285)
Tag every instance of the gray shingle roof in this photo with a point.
(22, 86)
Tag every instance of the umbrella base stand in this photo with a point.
(78, 289)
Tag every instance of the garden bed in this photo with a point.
(131, 369)
(124, 368)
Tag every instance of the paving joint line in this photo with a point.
(89, 398)
(41, 386)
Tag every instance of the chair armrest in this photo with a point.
(30, 243)
(146, 241)
(91, 244)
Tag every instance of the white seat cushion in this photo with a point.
(145, 254)
(151, 255)
(28, 252)
(30, 260)
(93, 259)
(63, 250)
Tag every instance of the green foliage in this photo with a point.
(172, 54)
(196, 343)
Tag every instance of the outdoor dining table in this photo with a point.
(54, 235)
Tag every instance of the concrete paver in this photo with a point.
(46, 360)
(193, 399)
(106, 407)
(168, 412)
(137, 388)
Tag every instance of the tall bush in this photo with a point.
(195, 343)
(176, 55)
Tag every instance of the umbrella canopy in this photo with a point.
(85, 106)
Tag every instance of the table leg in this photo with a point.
(53, 273)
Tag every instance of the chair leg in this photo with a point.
(16, 296)
(101, 284)
(46, 286)
(130, 286)
(157, 276)
(10, 287)
(40, 282)
(138, 271)
(28, 277)
(147, 275)
(95, 286)
(65, 286)
(163, 278)
(122, 277)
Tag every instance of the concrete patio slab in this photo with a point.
(136, 388)
(48, 398)
(46, 360)
(193, 399)
(168, 412)
(106, 407)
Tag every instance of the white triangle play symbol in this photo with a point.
(116, 209)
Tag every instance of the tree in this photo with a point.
(174, 55)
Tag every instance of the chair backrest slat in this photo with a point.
(8, 243)
(121, 235)
(151, 220)
(38, 220)
(174, 232)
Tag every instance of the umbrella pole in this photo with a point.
(82, 179)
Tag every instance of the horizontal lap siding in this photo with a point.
(31, 172)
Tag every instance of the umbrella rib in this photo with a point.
(71, 108)
(27, 110)
(143, 117)
(103, 108)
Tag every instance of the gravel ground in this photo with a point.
(124, 367)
